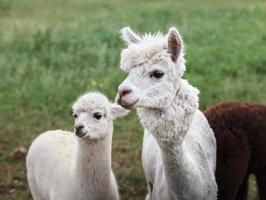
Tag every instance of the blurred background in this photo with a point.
(54, 50)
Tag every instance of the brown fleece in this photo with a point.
(240, 131)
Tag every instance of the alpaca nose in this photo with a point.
(79, 131)
(78, 127)
(123, 91)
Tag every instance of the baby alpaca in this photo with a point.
(240, 131)
(62, 165)
(179, 147)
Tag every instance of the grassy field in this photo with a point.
(52, 51)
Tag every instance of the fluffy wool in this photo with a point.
(149, 47)
(240, 131)
(179, 147)
(61, 165)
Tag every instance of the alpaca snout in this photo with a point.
(125, 96)
(124, 92)
(79, 130)
(124, 89)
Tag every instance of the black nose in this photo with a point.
(79, 131)
(124, 92)
(79, 127)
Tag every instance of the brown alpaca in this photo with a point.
(240, 131)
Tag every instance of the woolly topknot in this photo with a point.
(144, 48)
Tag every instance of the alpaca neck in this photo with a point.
(169, 126)
(92, 167)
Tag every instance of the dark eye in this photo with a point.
(75, 115)
(97, 115)
(157, 74)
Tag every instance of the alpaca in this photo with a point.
(62, 165)
(179, 147)
(240, 131)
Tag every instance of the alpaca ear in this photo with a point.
(118, 111)
(174, 43)
(129, 36)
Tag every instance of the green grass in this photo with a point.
(52, 51)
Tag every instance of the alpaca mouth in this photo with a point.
(127, 105)
(80, 133)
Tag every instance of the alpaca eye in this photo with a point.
(157, 74)
(97, 115)
(75, 116)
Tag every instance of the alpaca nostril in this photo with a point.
(79, 127)
(124, 92)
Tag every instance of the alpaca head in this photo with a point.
(94, 114)
(155, 64)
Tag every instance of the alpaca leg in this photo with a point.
(261, 182)
(232, 167)
(147, 197)
(243, 190)
(150, 188)
(229, 184)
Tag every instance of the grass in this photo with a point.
(52, 51)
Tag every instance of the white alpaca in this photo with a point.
(179, 147)
(62, 165)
